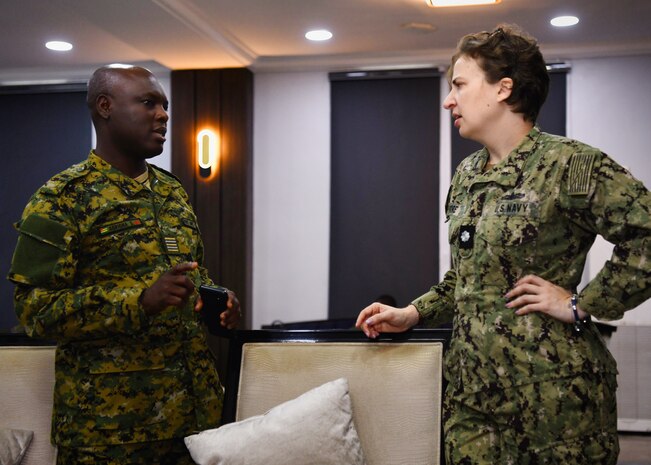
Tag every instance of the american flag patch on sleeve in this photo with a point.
(580, 172)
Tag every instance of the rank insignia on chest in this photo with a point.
(466, 236)
(171, 244)
(122, 225)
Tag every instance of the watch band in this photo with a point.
(578, 323)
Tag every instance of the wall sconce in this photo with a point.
(207, 152)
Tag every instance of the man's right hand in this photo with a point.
(379, 318)
(172, 289)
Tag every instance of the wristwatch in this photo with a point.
(578, 322)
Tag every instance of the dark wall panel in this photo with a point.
(237, 180)
(222, 100)
(384, 193)
(182, 120)
(41, 134)
(208, 202)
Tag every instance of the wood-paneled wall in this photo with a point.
(221, 99)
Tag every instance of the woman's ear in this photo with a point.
(506, 86)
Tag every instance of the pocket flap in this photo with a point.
(508, 230)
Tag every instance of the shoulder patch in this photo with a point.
(579, 173)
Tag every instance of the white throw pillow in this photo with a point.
(315, 428)
(13, 445)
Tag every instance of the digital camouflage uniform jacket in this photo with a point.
(537, 212)
(91, 240)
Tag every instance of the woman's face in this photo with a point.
(472, 100)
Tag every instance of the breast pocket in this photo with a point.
(508, 247)
(124, 386)
(141, 249)
(508, 231)
(510, 242)
(120, 244)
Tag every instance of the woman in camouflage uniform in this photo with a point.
(530, 381)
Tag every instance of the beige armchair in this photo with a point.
(26, 389)
(395, 383)
(395, 386)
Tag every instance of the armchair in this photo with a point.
(395, 384)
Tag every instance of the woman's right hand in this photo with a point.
(379, 318)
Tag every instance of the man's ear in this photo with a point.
(504, 91)
(103, 106)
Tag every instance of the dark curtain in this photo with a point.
(384, 192)
(42, 131)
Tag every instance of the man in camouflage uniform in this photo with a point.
(529, 378)
(107, 264)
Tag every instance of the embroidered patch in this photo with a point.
(466, 236)
(514, 208)
(579, 173)
(513, 196)
(115, 227)
(171, 244)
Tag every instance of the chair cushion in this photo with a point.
(315, 428)
(13, 445)
(27, 386)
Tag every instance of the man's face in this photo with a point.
(472, 100)
(138, 118)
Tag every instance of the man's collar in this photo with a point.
(129, 185)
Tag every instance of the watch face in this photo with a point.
(466, 236)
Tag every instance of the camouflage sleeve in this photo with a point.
(205, 277)
(436, 307)
(81, 313)
(603, 197)
(48, 302)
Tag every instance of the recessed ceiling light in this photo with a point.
(318, 35)
(564, 21)
(58, 45)
(422, 27)
(440, 3)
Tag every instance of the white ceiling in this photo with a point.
(267, 35)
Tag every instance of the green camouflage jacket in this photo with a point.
(537, 212)
(90, 241)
